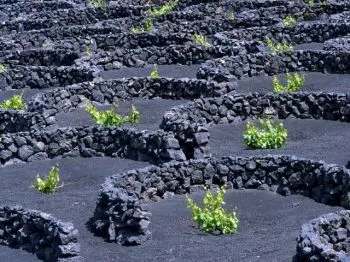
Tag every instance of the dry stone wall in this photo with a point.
(237, 107)
(266, 63)
(325, 238)
(39, 233)
(157, 146)
(122, 216)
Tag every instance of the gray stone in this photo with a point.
(24, 152)
(5, 155)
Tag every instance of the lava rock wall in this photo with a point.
(40, 233)
(122, 216)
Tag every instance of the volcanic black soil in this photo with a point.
(269, 223)
(151, 112)
(266, 218)
(307, 138)
(314, 82)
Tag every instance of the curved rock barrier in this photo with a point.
(110, 91)
(38, 57)
(266, 63)
(341, 44)
(174, 54)
(42, 108)
(121, 215)
(325, 238)
(301, 33)
(39, 77)
(343, 16)
(70, 16)
(12, 121)
(39, 233)
(236, 107)
(156, 146)
(16, 9)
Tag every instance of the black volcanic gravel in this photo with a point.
(151, 112)
(174, 71)
(307, 138)
(267, 219)
(314, 81)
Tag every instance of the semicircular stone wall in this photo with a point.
(121, 214)
(325, 238)
(230, 108)
(39, 233)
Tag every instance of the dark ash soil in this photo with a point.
(151, 112)
(266, 219)
(307, 138)
(314, 81)
(173, 71)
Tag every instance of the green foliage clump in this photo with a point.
(164, 9)
(294, 83)
(290, 22)
(97, 3)
(154, 73)
(200, 40)
(231, 16)
(89, 42)
(16, 102)
(312, 2)
(3, 68)
(88, 50)
(279, 47)
(212, 217)
(269, 136)
(111, 118)
(147, 26)
(50, 183)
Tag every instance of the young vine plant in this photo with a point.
(200, 40)
(16, 102)
(110, 117)
(154, 73)
(212, 217)
(49, 184)
(164, 9)
(289, 22)
(279, 47)
(294, 83)
(269, 136)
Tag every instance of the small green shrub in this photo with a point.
(50, 183)
(147, 26)
(279, 47)
(88, 50)
(269, 136)
(164, 9)
(294, 83)
(231, 16)
(154, 73)
(16, 102)
(110, 117)
(97, 3)
(290, 22)
(3, 68)
(200, 40)
(312, 2)
(212, 217)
